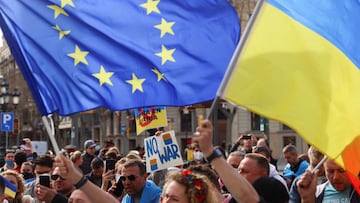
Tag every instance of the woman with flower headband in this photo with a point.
(188, 187)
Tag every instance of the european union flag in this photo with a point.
(120, 54)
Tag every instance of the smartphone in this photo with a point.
(119, 188)
(44, 180)
(246, 137)
(110, 164)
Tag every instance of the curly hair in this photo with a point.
(197, 187)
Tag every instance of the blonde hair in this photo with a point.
(19, 179)
(74, 156)
(120, 162)
(133, 155)
(114, 149)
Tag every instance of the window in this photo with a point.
(185, 121)
(255, 122)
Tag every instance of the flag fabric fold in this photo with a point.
(299, 64)
(80, 55)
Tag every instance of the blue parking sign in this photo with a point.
(7, 121)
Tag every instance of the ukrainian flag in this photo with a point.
(10, 189)
(298, 63)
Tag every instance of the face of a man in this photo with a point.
(336, 176)
(90, 150)
(42, 170)
(133, 187)
(97, 172)
(247, 144)
(249, 169)
(9, 156)
(60, 184)
(291, 158)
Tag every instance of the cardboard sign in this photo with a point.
(162, 152)
(150, 117)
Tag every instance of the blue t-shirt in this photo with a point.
(150, 194)
(333, 196)
(290, 174)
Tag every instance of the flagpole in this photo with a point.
(51, 132)
(234, 59)
(319, 164)
(239, 49)
(317, 167)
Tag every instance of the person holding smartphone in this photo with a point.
(54, 188)
(244, 143)
(93, 192)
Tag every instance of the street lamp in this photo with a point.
(5, 100)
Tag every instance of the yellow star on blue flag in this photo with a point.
(91, 50)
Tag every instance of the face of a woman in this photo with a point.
(174, 192)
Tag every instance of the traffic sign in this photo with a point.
(7, 121)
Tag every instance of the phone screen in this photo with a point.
(44, 180)
(110, 164)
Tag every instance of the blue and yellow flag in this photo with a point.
(120, 54)
(298, 63)
(149, 118)
(10, 189)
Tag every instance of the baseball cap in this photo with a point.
(89, 143)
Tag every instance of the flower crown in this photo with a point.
(197, 185)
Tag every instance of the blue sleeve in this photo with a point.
(303, 166)
(288, 173)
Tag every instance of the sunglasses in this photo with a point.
(130, 177)
(55, 177)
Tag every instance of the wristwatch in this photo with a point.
(215, 154)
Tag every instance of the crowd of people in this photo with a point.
(246, 173)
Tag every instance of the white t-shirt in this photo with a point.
(275, 174)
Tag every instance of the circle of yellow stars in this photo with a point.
(79, 55)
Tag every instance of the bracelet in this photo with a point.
(81, 183)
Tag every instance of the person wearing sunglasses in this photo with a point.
(61, 185)
(60, 191)
(136, 185)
